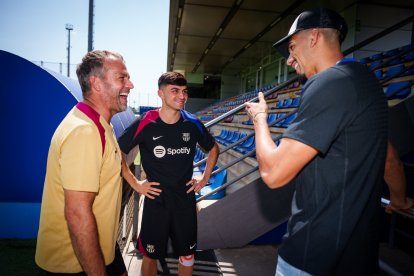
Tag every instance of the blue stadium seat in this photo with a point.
(286, 103)
(198, 155)
(214, 182)
(374, 64)
(246, 146)
(394, 71)
(237, 136)
(223, 133)
(394, 61)
(409, 72)
(378, 74)
(295, 102)
(398, 90)
(409, 57)
(281, 122)
(271, 118)
(228, 136)
(279, 104)
(289, 120)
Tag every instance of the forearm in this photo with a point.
(211, 161)
(85, 241)
(265, 146)
(129, 176)
(278, 165)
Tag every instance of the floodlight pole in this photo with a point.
(69, 27)
(90, 26)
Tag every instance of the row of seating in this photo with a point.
(398, 90)
(228, 137)
(271, 117)
(394, 71)
(227, 104)
(287, 103)
(393, 65)
(388, 55)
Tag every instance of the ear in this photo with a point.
(160, 93)
(314, 37)
(95, 83)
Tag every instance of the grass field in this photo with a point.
(17, 257)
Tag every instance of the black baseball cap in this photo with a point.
(315, 18)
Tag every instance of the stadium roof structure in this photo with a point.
(215, 36)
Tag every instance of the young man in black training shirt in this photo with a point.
(167, 139)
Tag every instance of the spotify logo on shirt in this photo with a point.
(159, 151)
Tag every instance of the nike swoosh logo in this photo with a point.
(156, 138)
(192, 246)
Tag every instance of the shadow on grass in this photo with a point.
(17, 257)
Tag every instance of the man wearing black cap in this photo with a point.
(334, 150)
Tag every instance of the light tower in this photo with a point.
(69, 27)
(90, 26)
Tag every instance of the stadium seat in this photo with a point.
(223, 134)
(409, 57)
(199, 155)
(394, 71)
(374, 64)
(398, 90)
(279, 104)
(227, 136)
(394, 61)
(246, 146)
(237, 136)
(289, 120)
(378, 74)
(214, 182)
(286, 103)
(295, 102)
(271, 118)
(279, 124)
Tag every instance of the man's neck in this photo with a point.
(102, 111)
(169, 115)
(330, 58)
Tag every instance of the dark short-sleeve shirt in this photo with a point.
(167, 152)
(343, 115)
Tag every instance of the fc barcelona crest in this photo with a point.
(186, 137)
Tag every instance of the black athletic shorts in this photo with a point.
(160, 223)
(116, 268)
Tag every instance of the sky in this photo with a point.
(137, 29)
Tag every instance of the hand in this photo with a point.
(254, 109)
(147, 189)
(196, 184)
